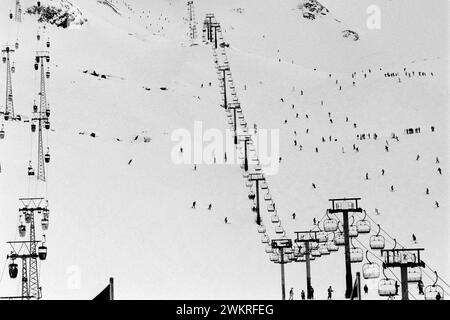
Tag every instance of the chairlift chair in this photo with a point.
(330, 225)
(279, 230)
(363, 226)
(387, 287)
(339, 238)
(434, 291)
(313, 245)
(323, 249)
(265, 238)
(268, 249)
(261, 229)
(274, 257)
(371, 270)
(275, 218)
(356, 255)
(331, 246)
(377, 241)
(271, 208)
(267, 197)
(322, 236)
(315, 253)
(414, 274)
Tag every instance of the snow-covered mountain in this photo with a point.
(128, 74)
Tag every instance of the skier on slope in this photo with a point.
(291, 294)
(193, 204)
(414, 239)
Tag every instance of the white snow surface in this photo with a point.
(135, 222)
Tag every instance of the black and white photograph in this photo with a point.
(224, 150)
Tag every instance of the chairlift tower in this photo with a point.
(28, 250)
(224, 70)
(192, 21)
(257, 177)
(402, 258)
(8, 112)
(306, 238)
(215, 26)
(281, 245)
(245, 138)
(234, 106)
(346, 206)
(207, 24)
(41, 115)
(18, 16)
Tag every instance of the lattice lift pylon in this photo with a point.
(18, 16)
(41, 116)
(8, 111)
(28, 250)
(192, 21)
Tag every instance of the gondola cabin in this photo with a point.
(13, 270)
(44, 224)
(22, 230)
(42, 252)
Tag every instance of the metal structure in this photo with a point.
(224, 79)
(234, 107)
(403, 259)
(28, 251)
(346, 206)
(8, 112)
(42, 115)
(18, 15)
(207, 26)
(192, 21)
(282, 245)
(306, 238)
(245, 138)
(257, 177)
